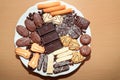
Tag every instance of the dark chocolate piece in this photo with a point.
(40, 62)
(81, 22)
(60, 64)
(49, 37)
(46, 28)
(45, 63)
(52, 46)
(85, 39)
(61, 69)
(85, 50)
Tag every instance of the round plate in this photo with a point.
(17, 36)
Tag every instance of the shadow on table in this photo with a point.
(53, 78)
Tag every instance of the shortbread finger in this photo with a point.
(65, 11)
(47, 5)
(50, 64)
(64, 58)
(64, 49)
(55, 8)
(69, 52)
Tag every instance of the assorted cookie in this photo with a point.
(51, 37)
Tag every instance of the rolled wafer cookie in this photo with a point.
(65, 11)
(49, 4)
(55, 8)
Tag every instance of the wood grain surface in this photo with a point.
(104, 63)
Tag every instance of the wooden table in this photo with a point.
(104, 63)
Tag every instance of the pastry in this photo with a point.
(66, 40)
(22, 52)
(57, 19)
(37, 48)
(74, 45)
(77, 57)
(47, 17)
(34, 60)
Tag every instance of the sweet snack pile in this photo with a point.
(50, 38)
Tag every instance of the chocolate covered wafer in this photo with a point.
(40, 62)
(60, 64)
(61, 69)
(45, 63)
(81, 22)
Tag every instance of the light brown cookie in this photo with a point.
(66, 40)
(74, 45)
(77, 57)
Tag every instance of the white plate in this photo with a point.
(17, 36)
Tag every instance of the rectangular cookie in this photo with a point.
(45, 63)
(61, 69)
(40, 62)
(69, 52)
(64, 58)
(50, 64)
(60, 64)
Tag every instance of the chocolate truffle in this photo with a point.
(85, 50)
(85, 39)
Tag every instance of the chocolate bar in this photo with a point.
(46, 28)
(45, 63)
(40, 62)
(49, 37)
(81, 22)
(60, 64)
(52, 46)
(61, 69)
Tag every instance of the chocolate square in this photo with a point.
(46, 28)
(52, 46)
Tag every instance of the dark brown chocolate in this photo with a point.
(49, 37)
(52, 46)
(46, 28)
